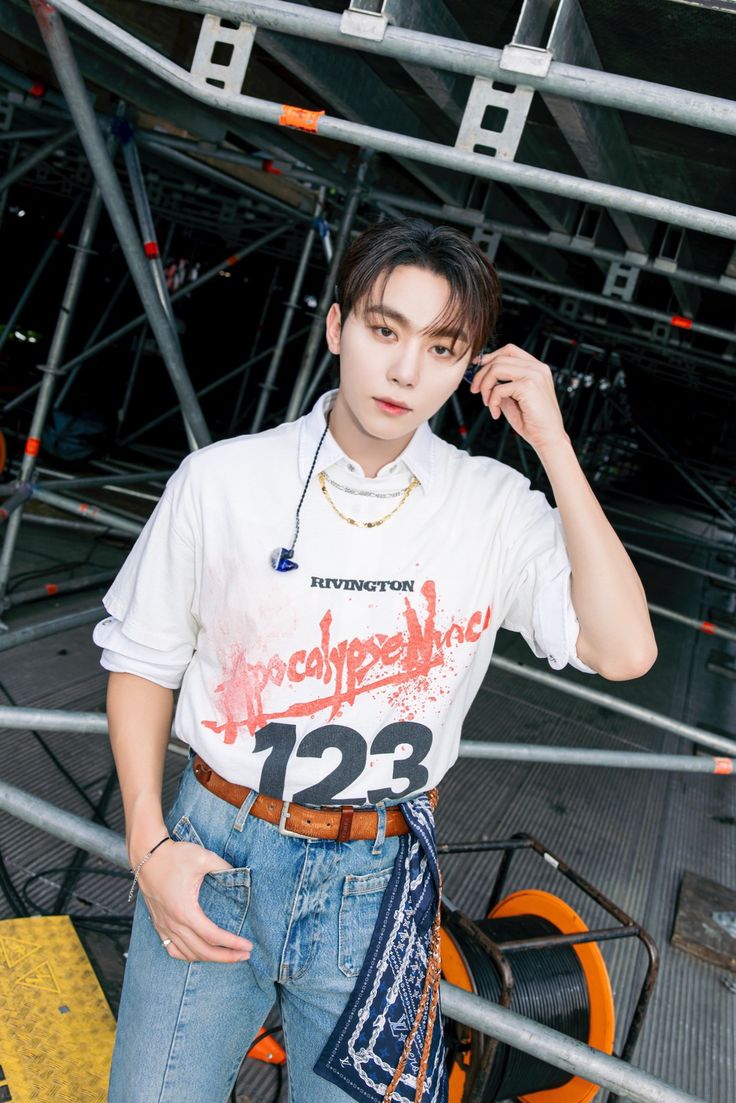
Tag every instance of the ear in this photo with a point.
(333, 329)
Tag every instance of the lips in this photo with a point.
(390, 406)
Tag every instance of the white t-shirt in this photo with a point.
(348, 679)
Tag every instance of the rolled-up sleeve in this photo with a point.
(153, 623)
(122, 655)
(538, 600)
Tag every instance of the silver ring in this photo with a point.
(166, 942)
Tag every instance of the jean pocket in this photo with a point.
(224, 895)
(361, 903)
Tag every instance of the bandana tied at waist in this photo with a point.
(387, 1044)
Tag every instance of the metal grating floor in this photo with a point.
(632, 833)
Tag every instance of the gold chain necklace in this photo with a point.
(366, 524)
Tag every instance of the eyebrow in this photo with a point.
(388, 312)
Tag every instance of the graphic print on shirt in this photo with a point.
(326, 675)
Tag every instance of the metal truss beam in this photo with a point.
(143, 89)
(348, 83)
(610, 90)
(651, 206)
(617, 304)
(564, 242)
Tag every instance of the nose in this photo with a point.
(405, 368)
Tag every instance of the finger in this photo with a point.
(499, 392)
(500, 371)
(208, 933)
(173, 951)
(195, 948)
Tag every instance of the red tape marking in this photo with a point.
(150, 248)
(680, 322)
(723, 765)
(268, 166)
(299, 118)
(33, 446)
(708, 627)
(51, 588)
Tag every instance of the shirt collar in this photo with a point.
(418, 456)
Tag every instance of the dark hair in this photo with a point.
(475, 292)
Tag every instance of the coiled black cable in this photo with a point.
(549, 987)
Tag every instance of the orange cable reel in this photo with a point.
(586, 970)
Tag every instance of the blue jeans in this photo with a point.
(309, 907)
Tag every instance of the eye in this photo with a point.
(383, 331)
(442, 351)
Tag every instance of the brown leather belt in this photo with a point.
(342, 824)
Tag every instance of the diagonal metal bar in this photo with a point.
(38, 271)
(75, 93)
(316, 333)
(201, 168)
(210, 387)
(22, 167)
(50, 370)
(616, 704)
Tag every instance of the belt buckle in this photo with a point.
(283, 829)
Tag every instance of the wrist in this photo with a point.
(555, 448)
(143, 838)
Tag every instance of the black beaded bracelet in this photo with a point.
(136, 869)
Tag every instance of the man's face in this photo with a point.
(396, 368)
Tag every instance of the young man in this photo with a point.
(325, 682)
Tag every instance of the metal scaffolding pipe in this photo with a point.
(670, 530)
(210, 387)
(33, 632)
(22, 167)
(33, 279)
(94, 513)
(521, 1033)
(549, 239)
(51, 589)
(451, 55)
(62, 523)
(557, 1049)
(50, 371)
(647, 553)
(291, 306)
(316, 333)
(193, 164)
(705, 626)
(99, 326)
(21, 135)
(108, 480)
(93, 723)
(581, 756)
(53, 720)
(96, 724)
(39, 813)
(70, 80)
(617, 304)
(187, 289)
(616, 704)
(401, 145)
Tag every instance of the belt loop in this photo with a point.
(380, 829)
(245, 809)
